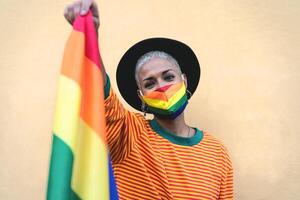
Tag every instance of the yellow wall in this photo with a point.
(248, 95)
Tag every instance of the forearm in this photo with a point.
(103, 72)
(118, 126)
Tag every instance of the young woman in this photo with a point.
(162, 158)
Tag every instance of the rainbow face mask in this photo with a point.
(168, 101)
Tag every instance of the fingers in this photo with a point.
(85, 6)
(95, 12)
(77, 8)
(94, 9)
(68, 13)
(81, 7)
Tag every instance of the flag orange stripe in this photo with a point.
(87, 74)
(73, 56)
(93, 99)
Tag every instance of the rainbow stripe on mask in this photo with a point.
(168, 101)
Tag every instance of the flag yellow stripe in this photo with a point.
(67, 111)
(90, 172)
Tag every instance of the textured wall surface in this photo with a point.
(249, 93)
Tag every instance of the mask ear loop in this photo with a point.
(143, 106)
(144, 109)
(189, 94)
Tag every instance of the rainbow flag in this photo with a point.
(80, 167)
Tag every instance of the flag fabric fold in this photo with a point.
(80, 167)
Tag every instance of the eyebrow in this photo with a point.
(163, 73)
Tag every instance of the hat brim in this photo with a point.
(184, 55)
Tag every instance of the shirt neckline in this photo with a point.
(183, 141)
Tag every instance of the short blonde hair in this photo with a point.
(149, 56)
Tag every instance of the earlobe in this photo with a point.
(184, 79)
(140, 94)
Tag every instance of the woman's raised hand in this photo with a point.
(81, 7)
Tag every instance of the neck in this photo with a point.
(176, 126)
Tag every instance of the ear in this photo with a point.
(185, 80)
(139, 93)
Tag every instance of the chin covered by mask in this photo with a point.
(168, 101)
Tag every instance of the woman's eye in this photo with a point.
(169, 77)
(148, 85)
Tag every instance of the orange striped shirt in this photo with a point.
(151, 163)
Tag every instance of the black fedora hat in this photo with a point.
(184, 55)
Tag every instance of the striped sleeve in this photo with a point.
(226, 190)
(122, 126)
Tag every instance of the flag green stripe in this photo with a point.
(60, 175)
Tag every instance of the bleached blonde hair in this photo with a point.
(149, 56)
